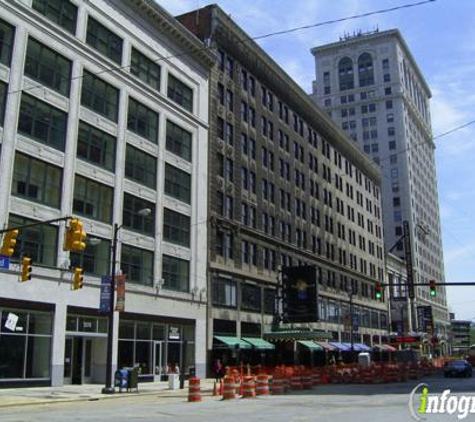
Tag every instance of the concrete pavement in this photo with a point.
(10, 397)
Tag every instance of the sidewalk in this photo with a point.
(69, 393)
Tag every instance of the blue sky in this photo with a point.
(441, 36)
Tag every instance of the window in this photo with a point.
(392, 145)
(36, 180)
(38, 242)
(3, 98)
(142, 121)
(178, 141)
(42, 122)
(391, 131)
(92, 199)
(345, 74)
(180, 93)
(176, 273)
(140, 167)
(387, 91)
(137, 265)
(145, 69)
(387, 77)
(365, 70)
(103, 40)
(224, 292)
(131, 218)
(95, 259)
(96, 146)
(389, 104)
(250, 297)
(224, 244)
(177, 183)
(229, 63)
(229, 100)
(269, 301)
(48, 67)
(176, 228)
(99, 96)
(62, 12)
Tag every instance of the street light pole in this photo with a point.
(109, 388)
(351, 321)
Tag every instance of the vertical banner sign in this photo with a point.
(408, 253)
(106, 291)
(299, 294)
(120, 286)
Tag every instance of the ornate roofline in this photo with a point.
(375, 35)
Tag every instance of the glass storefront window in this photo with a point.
(143, 331)
(87, 325)
(20, 325)
(12, 352)
(126, 329)
(158, 332)
(40, 324)
(189, 333)
(102, 326)
(38, 357)
(72, 323)
(126, 354)
(143, 356)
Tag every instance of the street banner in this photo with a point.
(120, 286)
(105, 296)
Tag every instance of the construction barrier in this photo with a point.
(307, 381)
(249, 387)
(229, 389)
(279, 384)
(262, 385)
(194, 390)
(296, 382)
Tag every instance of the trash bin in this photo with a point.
(173, 381)
(133, 379)
(121, 379)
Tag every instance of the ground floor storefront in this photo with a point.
(55, 344)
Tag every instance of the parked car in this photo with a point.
(458, 368)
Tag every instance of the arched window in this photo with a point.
(345, 74)
(365, 70)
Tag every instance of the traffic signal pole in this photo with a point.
(39, 223)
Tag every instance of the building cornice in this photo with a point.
(174, 30)
(376, 35)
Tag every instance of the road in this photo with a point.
(335, 403)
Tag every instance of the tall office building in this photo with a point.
(286, 187)
(373, 89)
(104, 116)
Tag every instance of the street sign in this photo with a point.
(4, 262)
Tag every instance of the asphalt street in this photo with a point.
(335, 403)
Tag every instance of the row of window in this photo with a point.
(54, 70)
(226, 130)
(225, 247)
(41, 242)
(41, 182)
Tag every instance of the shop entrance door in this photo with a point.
(77, 360)
(157, 360)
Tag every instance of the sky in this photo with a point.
(441, 37)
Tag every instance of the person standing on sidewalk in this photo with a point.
(218, 369)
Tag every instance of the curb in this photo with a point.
(160, 394)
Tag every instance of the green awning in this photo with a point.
(259, 343)
(295, 335)
(232, 342)
(311, 345)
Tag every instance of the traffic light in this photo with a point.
(9, 242)
(77, 278)
(433, 291)
(75, 236)
(26, 268)
(378, 291)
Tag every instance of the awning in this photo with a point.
(311, 345)
(259, 343)
(327, 346)
(363, 348)
(295, 335)
(390, 348)
(232, 343)
(341, 346)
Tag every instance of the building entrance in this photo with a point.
(78, 360)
